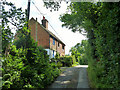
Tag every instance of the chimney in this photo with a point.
(45, 23)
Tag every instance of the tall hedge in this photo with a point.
(107, 41)
(101, 22)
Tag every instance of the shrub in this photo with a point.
(28, 68)
(68, 61)
(59, 64)
(107, 33)
(75, 64)
(74, 59)
(12, 67)
(64, 61)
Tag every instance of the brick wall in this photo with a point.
(43, 38)
(56, 48)
(53, 47)
(42, 35)
(60, 50)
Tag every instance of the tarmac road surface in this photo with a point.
(73, 77)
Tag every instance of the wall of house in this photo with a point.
(56, 47)
(42, 35)
(60, 50)
(53, 47)
(45, 40)
(50, 53)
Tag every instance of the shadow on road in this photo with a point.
(73, 77)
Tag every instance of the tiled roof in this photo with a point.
(49, 32)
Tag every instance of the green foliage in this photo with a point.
(74, 59)
(26, 65)
(52, 5)
(19, 71)
(83, 60)
(12, 66)
(14, 17)
(6, 77)
(101, 22)
(66, 61)
(59, 64)
(63, 61)
(107, 35)
(78, 52)
(75, 64)
(57, 56)
(83, 15)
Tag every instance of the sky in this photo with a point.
(64, 34)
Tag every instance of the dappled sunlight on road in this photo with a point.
(70, 78)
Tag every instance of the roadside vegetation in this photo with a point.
(24, 64)
(78, 52)
(64, 61)
(101, 22)
(77, 57)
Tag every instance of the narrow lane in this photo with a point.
(83, 78)
(74, 77)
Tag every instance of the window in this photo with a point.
(62, 47)
(53, 41)
(58, 44)
(53, 53)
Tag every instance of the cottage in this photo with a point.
(45, 38)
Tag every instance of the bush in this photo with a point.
(75, 64)
(59, 64)
(65, 61)
(104, 68)
(74, 59)
(83, 60)
(28, 68)
(62, 61)
(12, 67)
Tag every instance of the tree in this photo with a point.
(78, 51)
(15, 18)
(53, 5)
(83, 15)
(100, 21)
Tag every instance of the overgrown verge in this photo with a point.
(104, 68)
(24, 64)
(101, 21)
(64, 61)
(28, 68)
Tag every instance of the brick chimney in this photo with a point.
(45, 22)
